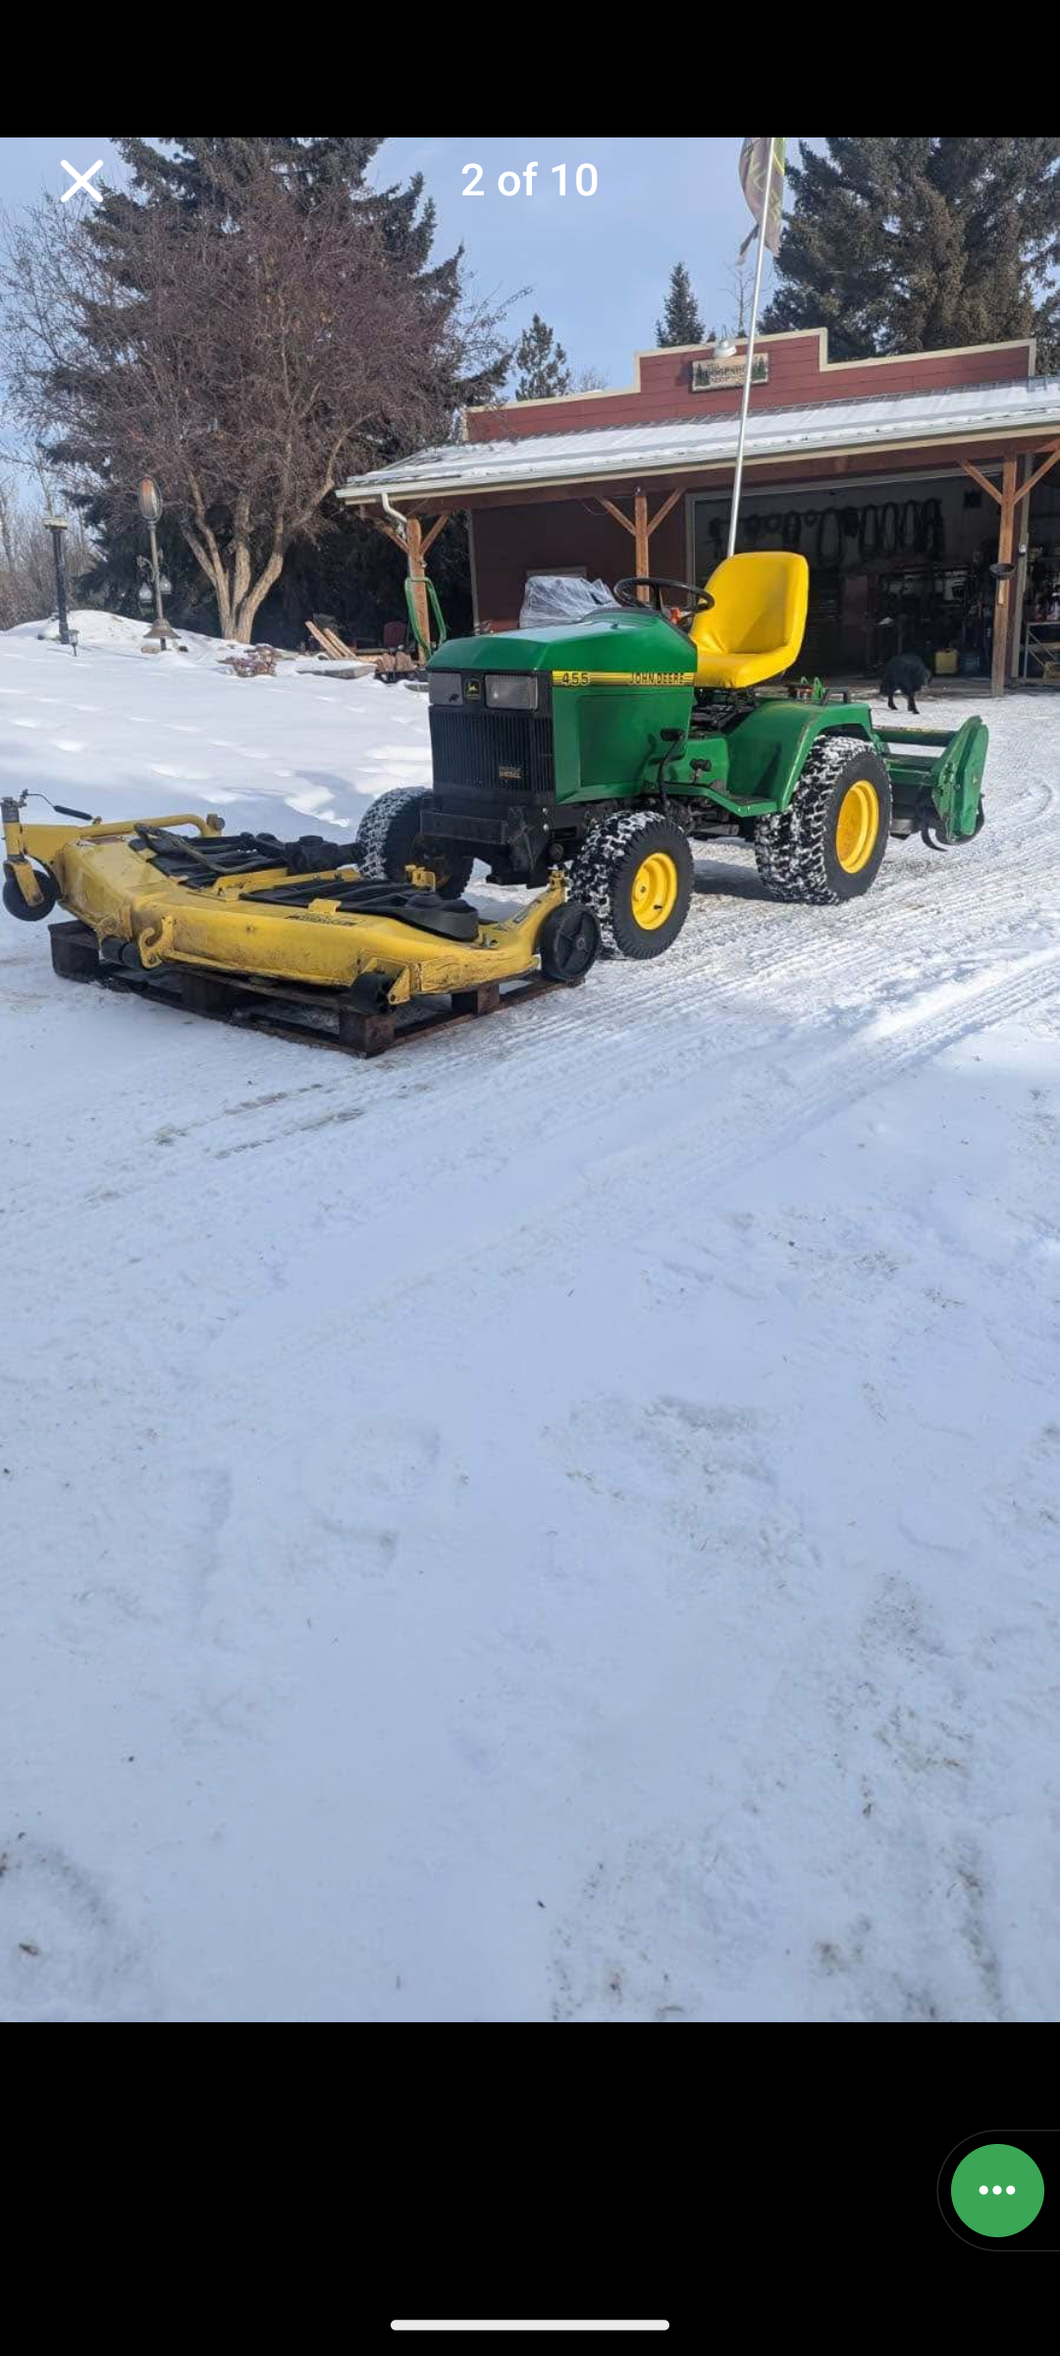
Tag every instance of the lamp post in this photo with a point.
(57, 525)
(161, 634)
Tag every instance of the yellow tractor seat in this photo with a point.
(755, 627)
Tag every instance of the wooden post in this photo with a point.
(642, 558)
(414, 544)
(1007, 609)
(1002, 600)
(641, 528)
(419, 585)
(1019, 585)
(1026, 487)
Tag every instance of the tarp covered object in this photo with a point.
(554, 597)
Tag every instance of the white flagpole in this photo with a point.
(750, 353)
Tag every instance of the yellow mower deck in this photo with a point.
(219, 930)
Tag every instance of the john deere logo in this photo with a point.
(473, 690)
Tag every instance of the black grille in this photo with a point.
(509, 752)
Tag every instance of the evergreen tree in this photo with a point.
(904, 245)
(680, 322)
(541, 362)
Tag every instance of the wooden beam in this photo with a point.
(1019, 585)
(391, 534)
(1036, 478)
(430, 537)
(1002, 603)
(662, 512)
(419, 585)
(642, 558)
(618, 515)
(981, 479)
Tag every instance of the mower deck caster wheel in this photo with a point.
(17, 906)
(569, 943)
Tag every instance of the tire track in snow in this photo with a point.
(748, 961)
(589, 1198)
(594, 1037)
(598, 1072)
(860, 1067)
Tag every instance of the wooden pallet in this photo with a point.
(318, 1018)
(334, 647)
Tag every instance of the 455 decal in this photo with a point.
(622, 678)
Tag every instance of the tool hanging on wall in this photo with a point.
(829, 537)
(892, 528)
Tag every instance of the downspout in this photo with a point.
(395, 515)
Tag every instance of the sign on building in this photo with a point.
(708, 373)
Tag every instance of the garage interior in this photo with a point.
(898, 564)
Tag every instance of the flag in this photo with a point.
(754, 156)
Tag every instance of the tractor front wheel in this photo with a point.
(389, 841)
(828, 845)
(635, 872)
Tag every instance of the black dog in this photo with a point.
(907, 674)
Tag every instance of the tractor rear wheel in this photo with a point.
(828, 845)
(389, 840)
(635, 872)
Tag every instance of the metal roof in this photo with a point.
(520, 461)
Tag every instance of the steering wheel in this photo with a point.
(693, 600)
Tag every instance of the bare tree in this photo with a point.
(740, 282)
(249, 362)
(27, 562)
(590, 380)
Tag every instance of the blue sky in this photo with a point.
(596, 266)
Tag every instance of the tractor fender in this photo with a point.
(769, 749)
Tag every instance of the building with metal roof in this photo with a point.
(904, 480)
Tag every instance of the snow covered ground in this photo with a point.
(563, 1523)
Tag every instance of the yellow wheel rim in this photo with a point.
(857, 826)
(654, 893)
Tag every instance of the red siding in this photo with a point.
(531, 530)
(513, 541)
(795, 377)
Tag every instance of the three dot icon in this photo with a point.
(997, 2190)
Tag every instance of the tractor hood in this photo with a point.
(634, 648)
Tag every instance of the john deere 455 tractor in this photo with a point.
(607, 746)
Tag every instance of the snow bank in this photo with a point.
(141, 734)
(94, 628)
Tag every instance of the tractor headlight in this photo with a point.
(511, 692)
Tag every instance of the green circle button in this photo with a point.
(997, 2190)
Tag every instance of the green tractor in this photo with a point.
(608, 746)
